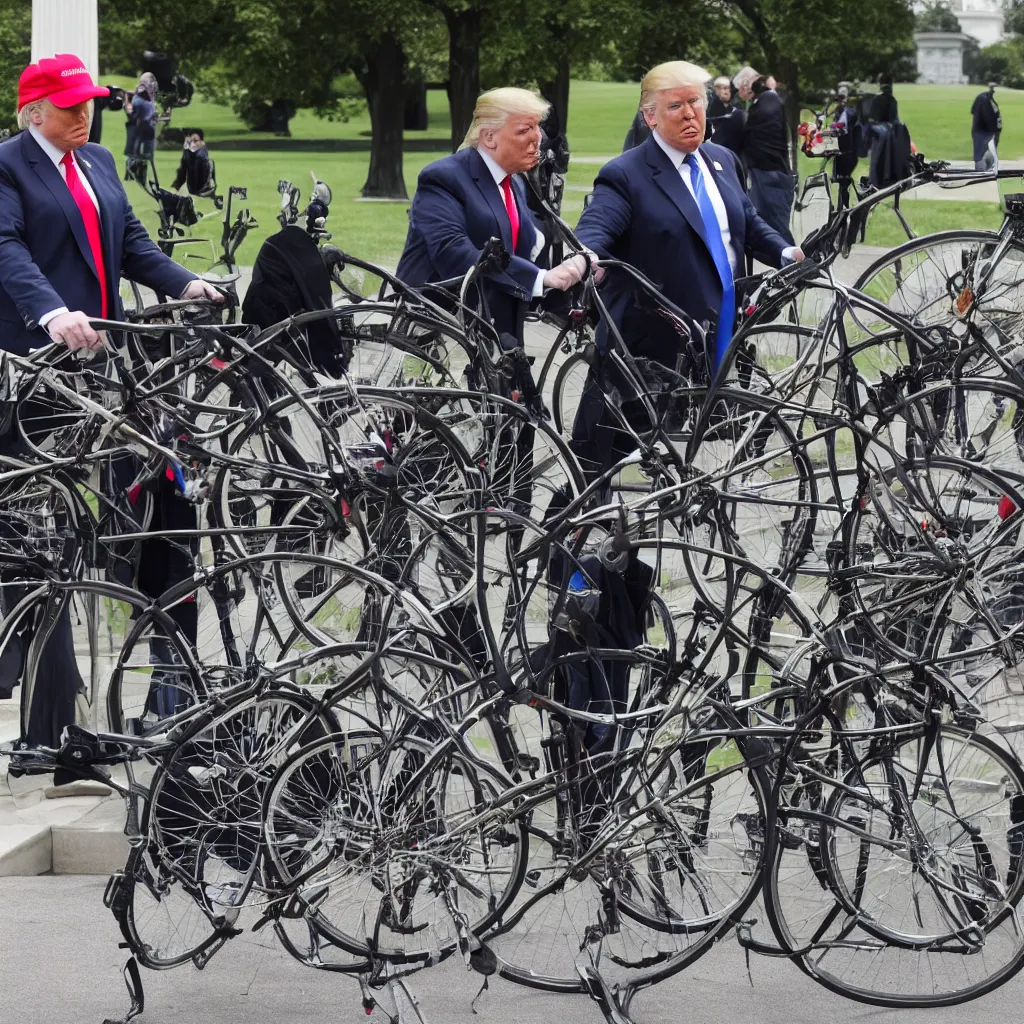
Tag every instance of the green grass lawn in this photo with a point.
(600, 112)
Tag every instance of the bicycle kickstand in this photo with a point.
(614, 1003)
(398, 1003)
(133, 981)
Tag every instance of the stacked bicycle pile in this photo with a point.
(452, 695)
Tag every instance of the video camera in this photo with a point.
(173, 88)
(116, 99)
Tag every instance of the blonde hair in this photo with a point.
(673, 74)
(493, 107)
(26, 112)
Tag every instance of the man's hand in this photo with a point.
(74, 330)
(564, 276)
(793, 253)
(198, 289)
(593, 257)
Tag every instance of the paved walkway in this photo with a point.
(60, 963)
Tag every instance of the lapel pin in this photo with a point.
(718, 166)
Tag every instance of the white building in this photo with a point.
(980, 19)
(940, 57)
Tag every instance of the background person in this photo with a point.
(884, 108)
(849, 142)
(67, 236)
(721, 99)
(638, 132)
(725, 118)
(766, 151)
(195, 171)
(986, 124)
(141, 109)
(478, 193)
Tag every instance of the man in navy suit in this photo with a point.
(478, 193)
(67, 231)
(67, 235)
(675, 208)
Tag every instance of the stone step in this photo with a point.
(94, 844)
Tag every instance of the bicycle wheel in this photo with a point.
(914, 600)
(209, 795)
(567, 391)
(655, 893)
(924, 277)
(903, 893)
(163, 917)
(390, 847)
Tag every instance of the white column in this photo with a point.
(66, 26)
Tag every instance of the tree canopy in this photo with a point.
(936, 17)
(252, 53)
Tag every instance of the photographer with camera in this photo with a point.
(67, 236)
(142, 115)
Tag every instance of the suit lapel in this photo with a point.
(733, 204)
(667, 178)
(490, 192)
(51, 178)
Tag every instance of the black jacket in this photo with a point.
(637, 134)
(985, 112)
(195, 171)
(716, 108)
(884, 108)
(289, 277)
(766, 134)
(727, 129)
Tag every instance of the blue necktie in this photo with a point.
(726, 313)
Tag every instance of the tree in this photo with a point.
(800, 46)
(15, 53)
(808, 46)
(936, 17)
(1002, 63)
(464, 20)
(1013, 17)
(294, 53)
(543, 42)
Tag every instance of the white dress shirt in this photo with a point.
(56, 155)
(499, 175)
(677, 157)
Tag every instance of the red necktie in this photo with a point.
(91, 219)
(510, 207)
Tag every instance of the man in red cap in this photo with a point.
(67, 236)
(67, 231)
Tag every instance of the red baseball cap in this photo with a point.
(63, 80)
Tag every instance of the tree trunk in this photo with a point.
(382, 80)
(556, 92)
(463, 68)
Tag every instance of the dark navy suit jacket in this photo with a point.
(45, 259)
(643, 213)
(456, 209)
